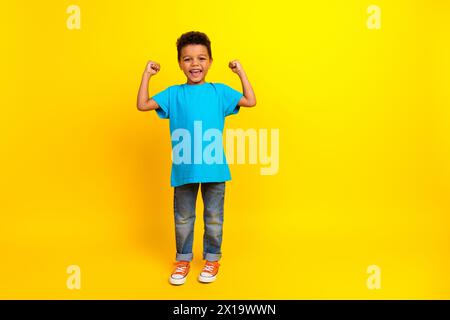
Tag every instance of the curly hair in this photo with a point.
(193, 37)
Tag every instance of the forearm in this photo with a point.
(142, 99)
(247, 89)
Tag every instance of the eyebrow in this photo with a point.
(200, 55)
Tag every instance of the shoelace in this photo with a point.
(180, 269)
(208, 268)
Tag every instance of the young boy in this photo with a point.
(193, 107)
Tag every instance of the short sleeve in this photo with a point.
(163, 100)
(230, 99)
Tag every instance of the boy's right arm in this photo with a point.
(143, 101)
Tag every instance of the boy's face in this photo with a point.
(195, 63)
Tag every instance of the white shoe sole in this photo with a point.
(207, 279)
(177, 281)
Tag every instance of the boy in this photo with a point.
(194, 107)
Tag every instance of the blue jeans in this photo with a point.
(184, 201)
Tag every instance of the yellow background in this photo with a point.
(364, 175)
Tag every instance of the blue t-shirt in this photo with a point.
(197, 115)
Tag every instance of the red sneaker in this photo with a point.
(180, 273)
(209, 272)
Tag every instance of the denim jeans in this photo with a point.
(184, 201)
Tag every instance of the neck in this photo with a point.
(195, 83)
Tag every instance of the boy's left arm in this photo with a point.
(249, 98)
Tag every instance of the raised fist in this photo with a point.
(152, 68)
(235, 66)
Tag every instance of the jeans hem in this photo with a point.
(212, 256)
(184, 256)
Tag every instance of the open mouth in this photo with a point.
(196, 72)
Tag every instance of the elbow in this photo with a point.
(147, 105)
(248, 102)
(142, 107)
